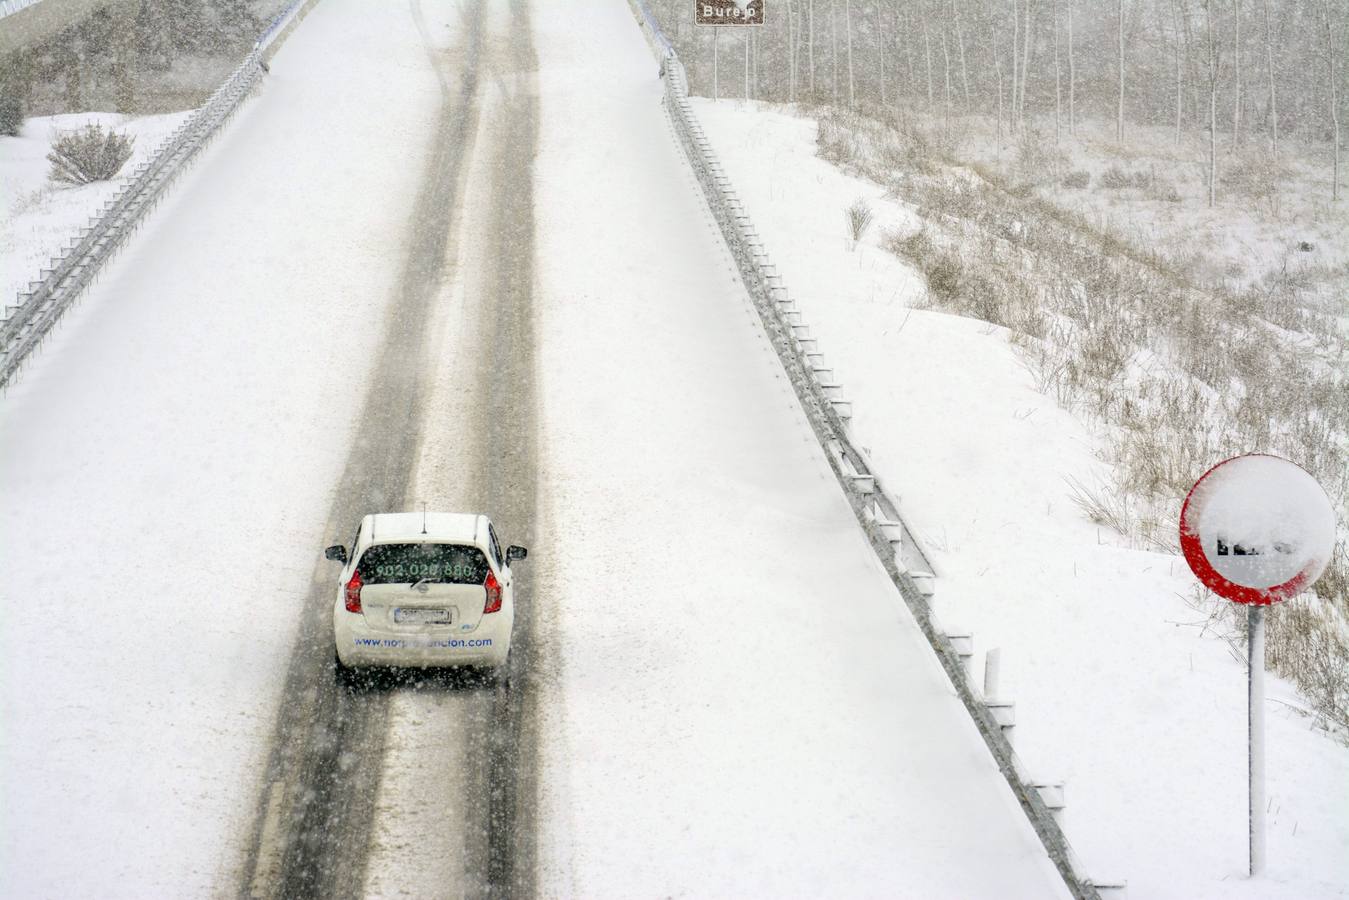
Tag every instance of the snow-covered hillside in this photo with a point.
(1121, 691)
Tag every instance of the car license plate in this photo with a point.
(421, 616)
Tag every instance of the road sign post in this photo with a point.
(718, 14)
(1257, 530)
(1255, 690)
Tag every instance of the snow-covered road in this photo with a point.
(738, 702)
(725, 694)
(167, 464)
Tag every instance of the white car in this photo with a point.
(424, 589)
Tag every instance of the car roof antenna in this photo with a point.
(423, 517)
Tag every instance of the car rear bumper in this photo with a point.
(358, 645)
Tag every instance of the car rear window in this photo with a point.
(407, 563)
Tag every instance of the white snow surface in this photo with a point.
(1121, 691)
(737, 702)
(167, 462)
(38, 217)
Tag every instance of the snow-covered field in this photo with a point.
(1246, 235)
(1120, 691)
(166, 465)
(37, 216)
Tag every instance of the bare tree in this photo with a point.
(1025, 65)
(927, 51)
(847, 26)
(1119, 116)
(716, 66)
(1058, 78)
(833, 50)
(1328, 32)
(1213, 103)
(880, 46)
(810, 44)
(1072, 76)
(1175, 15)
(946, 65)
(997, 67)
(749, 34)
(908, 48)
(1236, 77)
(960, 41)
(1016, 32)
(1273, 94)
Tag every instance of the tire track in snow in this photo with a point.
(322, 775)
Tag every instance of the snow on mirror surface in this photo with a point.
(1262, 521)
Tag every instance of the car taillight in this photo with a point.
(493, 593)
(354, 593)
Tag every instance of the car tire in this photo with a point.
(343, 674)
(496, 676)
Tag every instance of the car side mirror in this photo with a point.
(513, 553)
(337, 552)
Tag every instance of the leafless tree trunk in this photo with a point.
(1119, 114)
(927, 51)
(946, 60)
(1025, 66)
(1058, 77)
(1175, 15)
(1016, 62)
(1331, 47)
(1273, 98)
(908, 59)
(833, 50)
(1072, 76)
(810, 44)
(960, 41)
(880, 44)
(997, 67)
(1212, 105)
(716, 66)
(847, 27)
(749, 33)
(1236, 75)
(791, 53)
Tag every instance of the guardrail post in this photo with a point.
(962, 642)
(1003, 711)
(1054, 796)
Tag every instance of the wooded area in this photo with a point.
(1234, 70)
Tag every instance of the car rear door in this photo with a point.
(421, 588)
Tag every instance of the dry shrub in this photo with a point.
(1254, 175)
(1038, 161)
(11, 114)
(1117, 179)
(858, 216)
(1077, 180)
(90, 154)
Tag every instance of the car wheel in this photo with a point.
(343, 674)
(496, 676)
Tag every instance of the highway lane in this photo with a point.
(448, 420)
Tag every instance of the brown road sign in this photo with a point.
(728, 12)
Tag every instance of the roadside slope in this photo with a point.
(1123, 690)
(737, 702)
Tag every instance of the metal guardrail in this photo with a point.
(36, 311)
(9, 7)
(829, 414)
